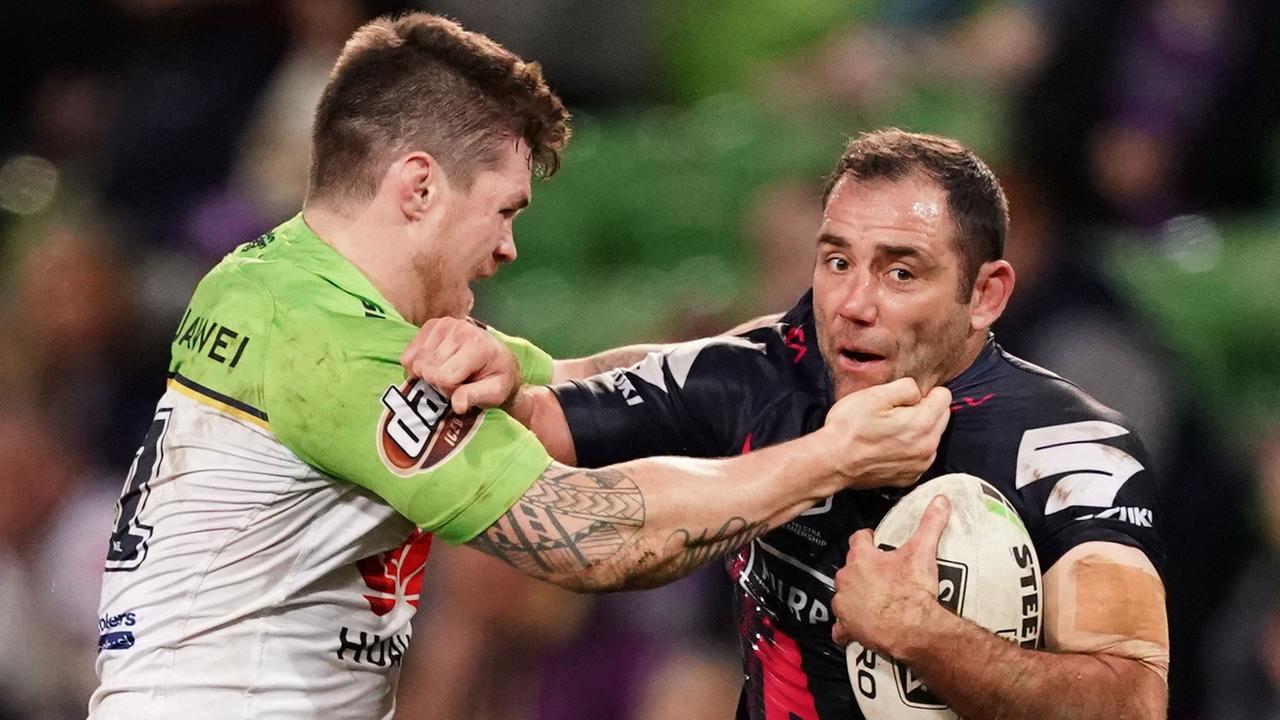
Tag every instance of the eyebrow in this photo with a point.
(899, 251)
(894, 251)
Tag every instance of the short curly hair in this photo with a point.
(422, 82)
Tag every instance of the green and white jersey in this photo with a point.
(271, 535)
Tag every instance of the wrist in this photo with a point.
(822, 454)
(913, 637)
(520, 404)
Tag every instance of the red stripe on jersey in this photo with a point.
(970, 402)
(784, 683)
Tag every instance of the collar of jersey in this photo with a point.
(976, 374)
(313, 254)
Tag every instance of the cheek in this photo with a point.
(827, 294)
(923, 324)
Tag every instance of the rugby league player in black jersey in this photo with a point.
(907, 283)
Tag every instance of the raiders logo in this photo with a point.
(418, 430)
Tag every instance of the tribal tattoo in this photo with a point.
(573, 525)
(568, 521)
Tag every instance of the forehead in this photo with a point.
(911, 208)
(509, 175)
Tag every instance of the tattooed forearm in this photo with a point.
(586, 529)
(567, 522)
(689, 553)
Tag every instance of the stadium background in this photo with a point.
(1139, 141)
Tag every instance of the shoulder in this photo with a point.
(748, 368)
(1074, 468)
(310, 305)
(1026, 430)
(1012, 393)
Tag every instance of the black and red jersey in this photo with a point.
(1073, 468)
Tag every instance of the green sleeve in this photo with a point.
(536, 365)
(338, 398)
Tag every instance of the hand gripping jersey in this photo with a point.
(1072, 468)
(270, 538)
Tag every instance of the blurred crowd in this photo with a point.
(142, 139)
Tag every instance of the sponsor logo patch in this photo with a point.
(396, 575)
(108, 622)
(364, 648)
(418, 430)
(122, 640)
(1142, 517)
(113, 638)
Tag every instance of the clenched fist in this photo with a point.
(464, 362)
(887, 435)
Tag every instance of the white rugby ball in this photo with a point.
(987, 573)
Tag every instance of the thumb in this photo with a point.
(938, 401)
(460, 400)
(932, 524)
(840, 635)
(487, 392)
(903, 391)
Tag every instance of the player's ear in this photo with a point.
(415, 179)
(991, 291)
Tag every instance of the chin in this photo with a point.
(844, 383)
(848, 386)
(457, 305)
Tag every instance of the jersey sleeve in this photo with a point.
(693, 399)
(338, 398)
(1088, 481)
(536, 365)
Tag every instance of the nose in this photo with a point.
(506, 250)
(860, 304)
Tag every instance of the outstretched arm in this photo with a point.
(579, 368)
(475, 370)
(647, 522)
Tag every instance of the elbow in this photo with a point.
(598, 576)
(1139, 688)
(1155, 697)
(611, 575)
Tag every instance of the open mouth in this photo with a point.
(861, 357)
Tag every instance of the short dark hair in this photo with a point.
(422, 82)
(979, 210)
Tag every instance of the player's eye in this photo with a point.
(901, 275)
(837, 264)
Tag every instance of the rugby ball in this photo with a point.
(987, 573)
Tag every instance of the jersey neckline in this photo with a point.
(312, 253)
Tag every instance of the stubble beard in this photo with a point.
(443, 294)
(931, 365)
(944, 360)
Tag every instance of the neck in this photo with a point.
(969, 353)
(373, 243)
